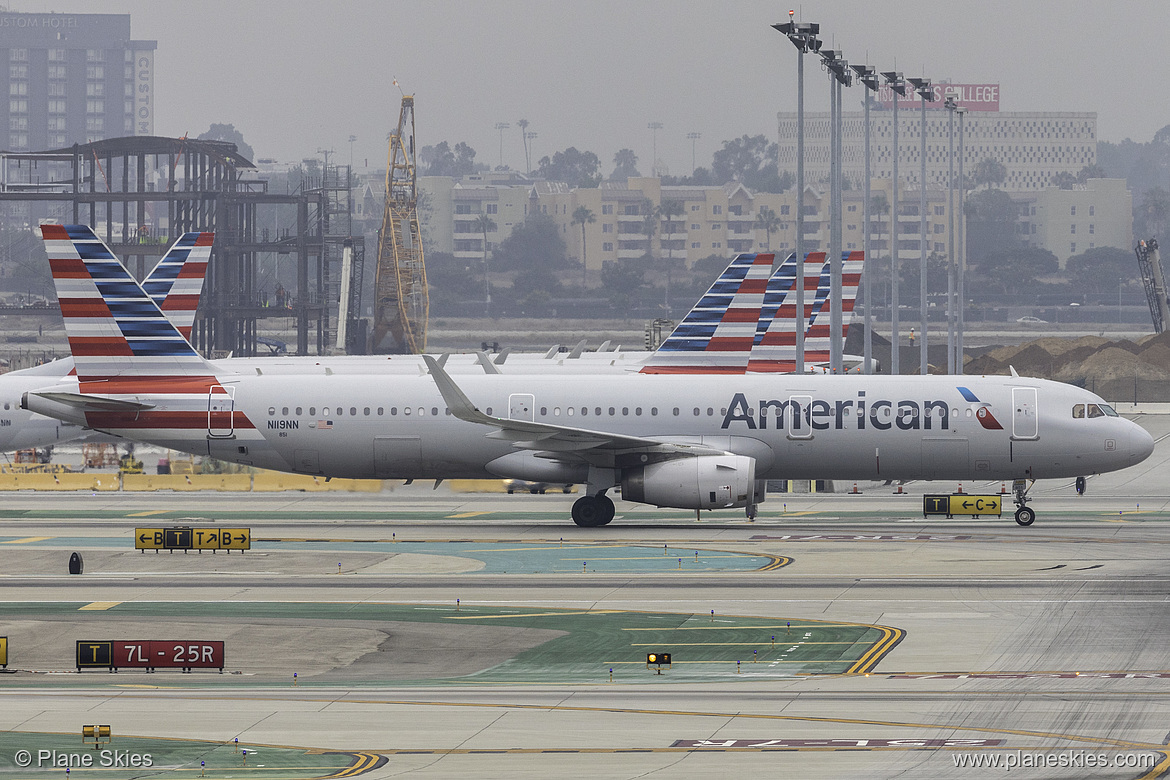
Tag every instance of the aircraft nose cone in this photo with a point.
(1141, 443)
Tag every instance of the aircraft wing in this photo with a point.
(554, 438)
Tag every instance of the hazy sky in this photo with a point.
(297, 76)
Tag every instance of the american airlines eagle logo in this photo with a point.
(983, 413)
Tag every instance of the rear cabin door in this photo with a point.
(221, 412)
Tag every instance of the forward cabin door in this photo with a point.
(1025, 418)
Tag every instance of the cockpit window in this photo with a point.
(1078, 411)
(1095, 411)
(1109, 411)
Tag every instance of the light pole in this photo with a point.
(959, 359)
(868, 76)
(352, 138)
(502, 126)
(922, 86)
(951, 104)
(654, 127)
(898, 85)
(693, 137)
(803, 36)
(841, 76)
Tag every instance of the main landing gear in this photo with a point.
(1024, 514)
(592, 511)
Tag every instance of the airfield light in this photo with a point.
(802, 35)
(924, 90)
(658, 660)
(868, 76)
(899, 86)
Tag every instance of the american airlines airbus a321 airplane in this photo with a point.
(711, 338)
(694, 441)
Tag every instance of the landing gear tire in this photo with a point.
(592, 511)
(1025, 516)
(607, 509)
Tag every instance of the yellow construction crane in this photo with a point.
(401, 301)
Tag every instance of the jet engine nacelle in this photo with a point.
(701, 482)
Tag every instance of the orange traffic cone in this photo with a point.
(960, 487)
(1003, 488)
(855, 491)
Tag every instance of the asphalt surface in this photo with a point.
(464, 636)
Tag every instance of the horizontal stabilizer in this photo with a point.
(95, 403)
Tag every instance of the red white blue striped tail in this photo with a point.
(851, 267)
(115, 330)
(716, 336)
(779, 285)
(176, 282)
(775, 351)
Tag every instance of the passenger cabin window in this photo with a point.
(1078, 411)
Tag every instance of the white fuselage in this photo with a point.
(847, 427)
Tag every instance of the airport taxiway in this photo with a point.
(1048, 640)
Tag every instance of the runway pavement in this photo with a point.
(464, 637)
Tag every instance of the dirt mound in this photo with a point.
(1056, 346)
(1156, 354)
(984, 365)
(1109, 364)
(1032, 360)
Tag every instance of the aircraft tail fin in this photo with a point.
(851, 268)
(115, 329)
(716, 336)
(775, 350)
(176, 282)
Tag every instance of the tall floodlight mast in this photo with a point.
(803, 36)
(401, 301)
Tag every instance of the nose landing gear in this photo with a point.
(1025, 515)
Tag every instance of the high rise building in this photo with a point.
(1032, 146)
(73, 78)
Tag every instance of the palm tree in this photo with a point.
(483, 223)
(625, 164)
(768, 221)
(523, 123)
(583, 216)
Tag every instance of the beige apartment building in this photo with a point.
(722, 220)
